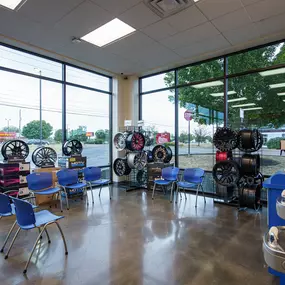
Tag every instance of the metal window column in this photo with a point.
(64, 136)
(176, 130)
(111, 128)
(225, 91)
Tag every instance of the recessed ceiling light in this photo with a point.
(272, 72)
(255, 108)
(237, 99)
(208, 84)
(12, 4)
(278, 85)
(108, 33)
(244, 105)
(221, 94)
(281, 94)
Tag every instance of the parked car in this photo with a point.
(37, 142)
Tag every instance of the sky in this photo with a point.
(20, 93)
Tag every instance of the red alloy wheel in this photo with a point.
(136, 141)
(223, 155)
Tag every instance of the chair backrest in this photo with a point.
(39, 180)
(170, 173)
(193, 175)
(67, 177)
(24, 212)
(5, 206)
(92, 173)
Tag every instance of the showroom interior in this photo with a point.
(142, 142)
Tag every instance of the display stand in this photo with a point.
(275, 185)
(131, 182)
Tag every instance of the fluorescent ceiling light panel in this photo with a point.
(12, 4)
(108, 33)
(237, 99)
(272, 72)
(251, 109)
(281, 94)
(208, 84)
(244, 105)
(278, 85)
(221, 94)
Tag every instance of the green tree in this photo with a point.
(78, 134)
(32, 130)
(100, 134)
(255, 88)
(10, 129)
(183, 138)
(201, 134)
(58, 135)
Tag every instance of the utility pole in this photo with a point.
(20, 122)
(8, 124)
(40, 90)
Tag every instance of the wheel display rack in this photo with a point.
(135, 178)
(237, 177)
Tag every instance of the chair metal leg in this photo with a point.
(100, 190)
(66, 198)
(60, 200)
(171, 192)
(47, 235)
(63, 238)
(34, 247)
(197, 195)
(154, 186)
(13, 240)
(185, 193)
(110, 191)
(203, 193)
(7, 237)
(90, 185)
(177, 190)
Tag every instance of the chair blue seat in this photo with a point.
(75, 186)
(93, 177)
(184, 184)
(101, 182)
(42, 218)
(162, 182)
(47, 191)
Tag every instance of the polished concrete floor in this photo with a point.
(133, 240)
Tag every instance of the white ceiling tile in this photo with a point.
(249, 2)
(47, 12)
(186, 19)
(135, 41)
(190, 36)
(159, 30)
(216, 8)
(116, 7)
(265, 9)
(208, 45)
(232, 20)
(82, 20)
(139, 16)
(17, 26)
(242, 35)
(272, 25)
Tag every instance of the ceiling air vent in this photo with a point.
(165, 8)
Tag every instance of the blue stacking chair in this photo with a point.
(40, 183)
(192, 177)
(27, 219)
(92, 176)
(68, 180)
(7, 210)
(168, 177)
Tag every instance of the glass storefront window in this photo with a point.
(205, 71)
(158, 81)
(87, 116)
(85, 78)
(29, 63)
